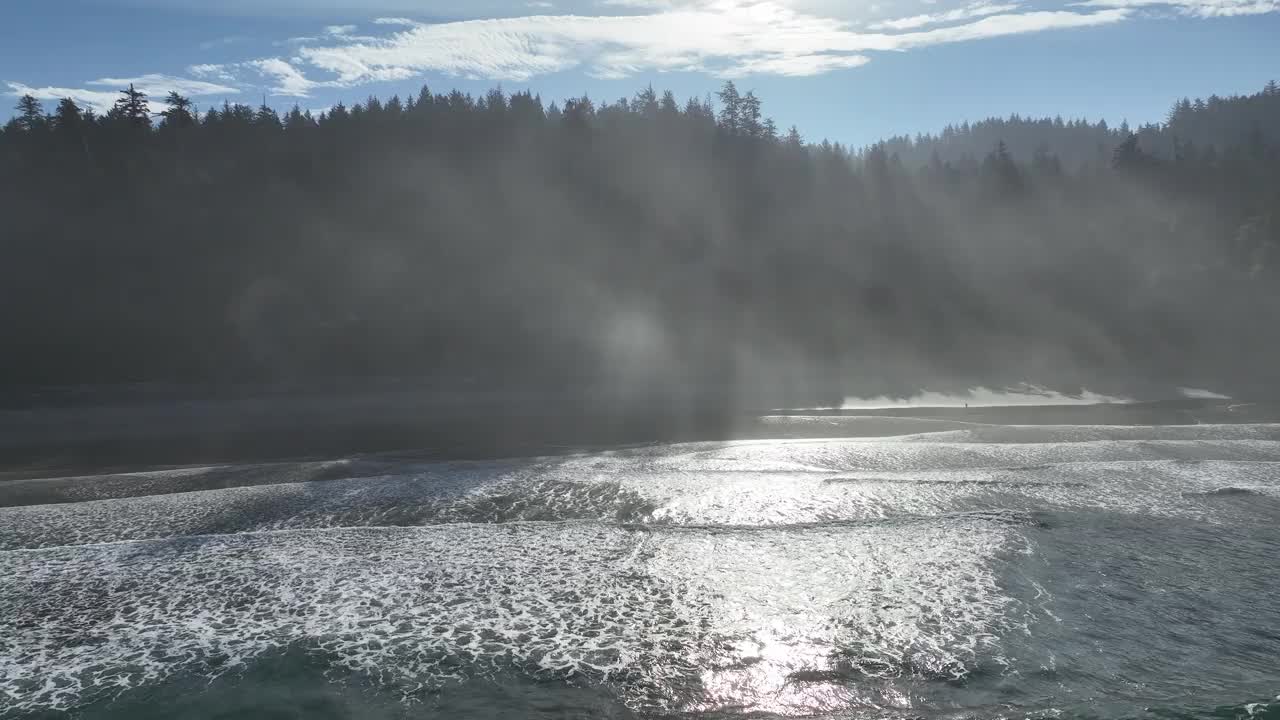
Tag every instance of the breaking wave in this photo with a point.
(910, 575)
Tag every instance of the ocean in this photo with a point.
(953, 570)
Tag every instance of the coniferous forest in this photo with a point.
(512, 243)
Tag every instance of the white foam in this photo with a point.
(1201, 394)
(924, 452)
(183, 479)
(1025, 394)
(739, 484)
(675, 620)
(1019, 434)
(734, 586)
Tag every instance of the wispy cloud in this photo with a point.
(1195, 8)
(288, 81)
(211, 70)
(337, 33)
(722, 37)
(99, 100)
(1003, 25)
(154, 85)
(965, 13)
(726, 38)
(815, 64)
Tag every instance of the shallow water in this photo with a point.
(975, 571)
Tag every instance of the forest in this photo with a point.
(503, 242)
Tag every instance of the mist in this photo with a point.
(639, 253)
(498, 406)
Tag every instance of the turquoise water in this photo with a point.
(981, 572)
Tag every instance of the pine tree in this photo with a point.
(730, 108)
(132, 110)
(178, 113)
(749, 115)
(1000, 169)
(693, 108)
(1127, 155)
(646, 102)
(495, 101)
(425, 99)
(266, 118)
(30, 114)
(68, 117)
(668, 105)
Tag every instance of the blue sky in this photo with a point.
(850, 71)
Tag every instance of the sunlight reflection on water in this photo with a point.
(908, 574)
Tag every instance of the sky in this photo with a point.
(853, 71)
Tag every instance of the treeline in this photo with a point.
(646, 244)
(1192, 128)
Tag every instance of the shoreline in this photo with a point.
(45, 442)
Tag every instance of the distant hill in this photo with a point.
(1192, 127)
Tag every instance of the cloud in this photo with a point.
(209, 70)
(722, 37)
(725, 38)
(341, 33)
(795, 67)
(1195, 8)
(100, 100)
(964, 13)
(154, 85)
(289, 81)
(1014, 24)
(283, 75)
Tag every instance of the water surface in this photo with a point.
(970, 571)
